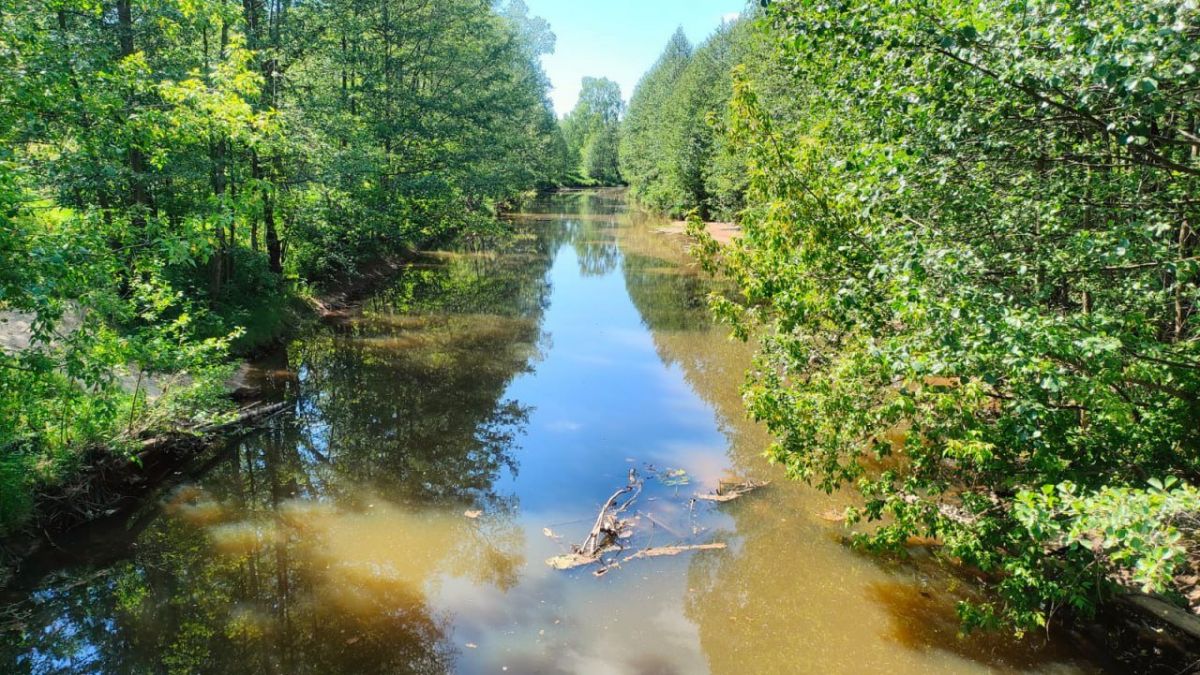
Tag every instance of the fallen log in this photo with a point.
(248, 415)
(1162, 611)
(570, 561)
(245, 417)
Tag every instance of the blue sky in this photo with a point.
(618, 39)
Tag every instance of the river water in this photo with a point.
(453, 434)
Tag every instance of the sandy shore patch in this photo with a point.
(724, 233)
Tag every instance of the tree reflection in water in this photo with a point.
(788, 566)
(312, 547)
(325, 543)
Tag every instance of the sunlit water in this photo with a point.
(452, 435)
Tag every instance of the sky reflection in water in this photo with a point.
(522, 381)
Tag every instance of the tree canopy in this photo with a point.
(647, 126)
(592, 130)
(970, 253)
(172, 172)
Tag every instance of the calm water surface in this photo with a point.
(451, 435)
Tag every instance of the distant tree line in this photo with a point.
(592, 131)
(668, 144)
(673, 153)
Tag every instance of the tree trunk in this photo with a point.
(139, 195)
(274, 248)
(268, 41)
(137, 198)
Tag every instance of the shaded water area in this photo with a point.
(450, 436)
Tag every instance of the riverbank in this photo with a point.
(457, 432)
(460, 427)
(103, 480)
(722, 232)
(109, 482)
(1131, 626)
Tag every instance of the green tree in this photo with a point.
(169, 168)
(701, 173)
(969, 251)
(592, 130)
(644, 155)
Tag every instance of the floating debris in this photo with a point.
(472, 513)
(610, 529)
(606, 531)
(674, 477)
(674, 550)
(727, 492)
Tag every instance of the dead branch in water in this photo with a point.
(727, 492)
(606, 530)
(608, 527)
(673, 550)
(658, 523)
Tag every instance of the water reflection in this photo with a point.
(792, 598)
(408, 395)
(263, 601)
(587, 221)
(451, 435)
(313, 546)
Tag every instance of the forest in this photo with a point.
(177, 176)
(967, 260)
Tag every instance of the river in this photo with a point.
(451, 435)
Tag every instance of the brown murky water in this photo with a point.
(449, 438)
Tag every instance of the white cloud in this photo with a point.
(731, 16)
(564, 426)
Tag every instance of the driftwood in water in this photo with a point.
(245, 418)
(727, 492)
(569, 561)
(607, 529)
(661, 551)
